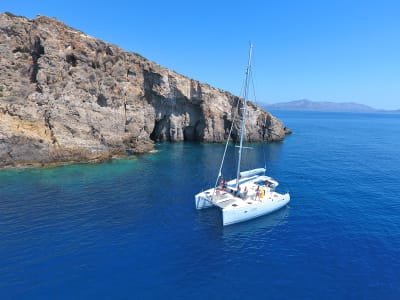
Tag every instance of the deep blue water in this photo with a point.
(127, 229)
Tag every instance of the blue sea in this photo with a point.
(128, 229)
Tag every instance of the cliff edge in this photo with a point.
(66, 96)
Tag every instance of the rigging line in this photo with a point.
(226, 145)
(243, 94)
(242, 129)
(265, 158)
(265, 123)
(241, 90)
(254, 89)
(256, 103)
(251, 113)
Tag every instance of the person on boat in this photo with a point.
(244, 196)
(237, 192)
(262, 193)
(258, 193)
(222, 184)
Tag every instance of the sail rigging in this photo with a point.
(251, 194)
(246, 91)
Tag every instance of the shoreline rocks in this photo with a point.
(66, 96)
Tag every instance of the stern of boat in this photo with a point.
(203, 200)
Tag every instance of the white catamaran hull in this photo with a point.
(232, 215)
(203, 200)
(236, 208)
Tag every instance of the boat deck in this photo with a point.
(254, 191)
(225, 202)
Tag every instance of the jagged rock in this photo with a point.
(66, 96)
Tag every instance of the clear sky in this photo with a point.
(321, 50)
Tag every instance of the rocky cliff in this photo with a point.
(66, 96)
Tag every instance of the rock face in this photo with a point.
(66, 96)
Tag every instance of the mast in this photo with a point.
(246, 89)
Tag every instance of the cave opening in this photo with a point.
(159, 132)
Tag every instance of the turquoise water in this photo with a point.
(127, 229)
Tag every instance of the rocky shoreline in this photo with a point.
(68, 97)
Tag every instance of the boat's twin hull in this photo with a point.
(240, 214)
(203, 201)
(237, 212)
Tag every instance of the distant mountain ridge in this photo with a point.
(309, 105)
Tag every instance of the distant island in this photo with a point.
(308, 105)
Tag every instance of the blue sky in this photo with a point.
(340, 51)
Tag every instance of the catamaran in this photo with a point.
(252, 193)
